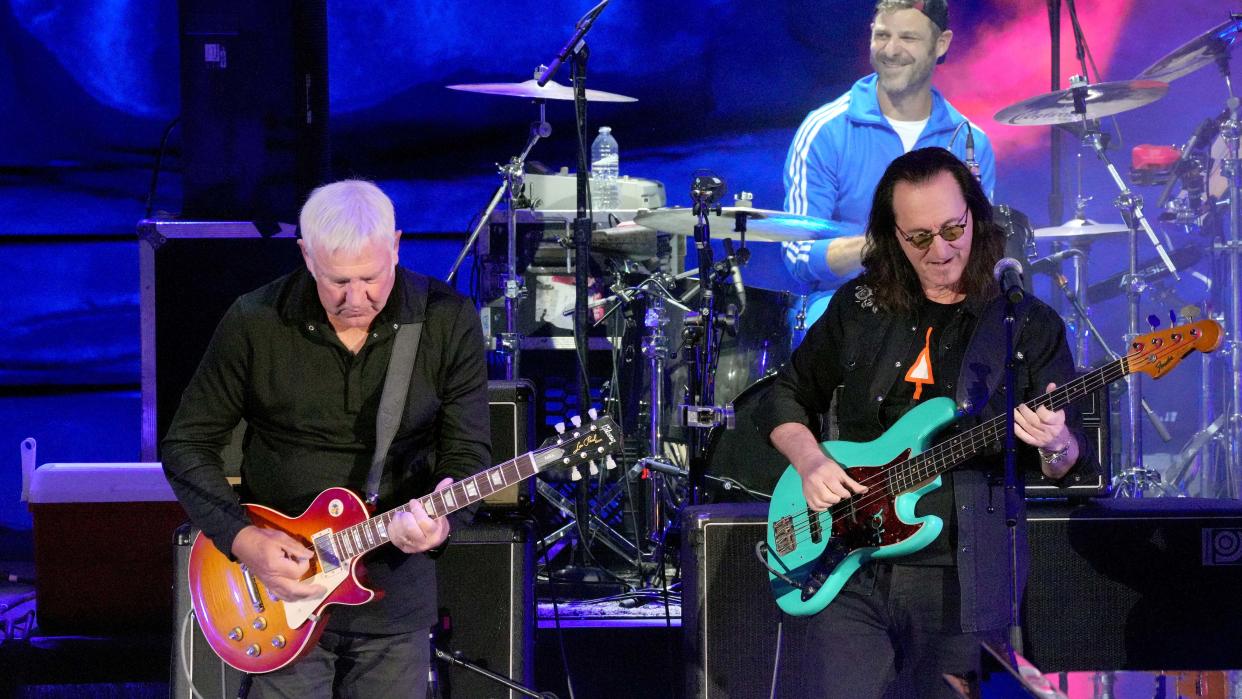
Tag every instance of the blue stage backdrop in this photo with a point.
(87, 87)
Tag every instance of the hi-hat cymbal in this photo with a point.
(761, 224)
(1194, 54)
(1080, 228)
(1102, 99)
(551, 90)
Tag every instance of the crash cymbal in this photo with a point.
(761, 224)
(551, 90)
(1194, 54)
(1080, 228)
(1102, 99)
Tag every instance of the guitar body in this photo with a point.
(823, 551)
(241, 622)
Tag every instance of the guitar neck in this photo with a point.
(373, 533)
(952, 452)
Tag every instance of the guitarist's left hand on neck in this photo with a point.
(414, 531)
(1046, 430)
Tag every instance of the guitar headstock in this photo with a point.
(1156, 352)
(582, 443)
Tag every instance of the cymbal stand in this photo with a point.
(509, 343)
(1231, 130)
(1134, 480)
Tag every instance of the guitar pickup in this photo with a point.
(817, 529)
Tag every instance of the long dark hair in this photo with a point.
(885, 266)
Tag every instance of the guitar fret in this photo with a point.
(381, 527)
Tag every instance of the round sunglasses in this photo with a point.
(950, 232)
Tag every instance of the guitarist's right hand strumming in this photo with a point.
(824, 482)
(278, 561)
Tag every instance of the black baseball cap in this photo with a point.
(936, 10)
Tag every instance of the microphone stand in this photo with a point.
(577, 50)
(1015, 487)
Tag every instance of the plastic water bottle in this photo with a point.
(605, 169)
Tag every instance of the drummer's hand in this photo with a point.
(825, 483)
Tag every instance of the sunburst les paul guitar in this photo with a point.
(810, 555)
(255, 633)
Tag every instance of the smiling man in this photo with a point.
(842, 148)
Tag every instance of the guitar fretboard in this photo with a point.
(363, 537)
(951, 452)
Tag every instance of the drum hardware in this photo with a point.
(757, 224)
(1082, 104)
(1220, 416)
(509, 342)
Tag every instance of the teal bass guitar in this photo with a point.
(811, 554)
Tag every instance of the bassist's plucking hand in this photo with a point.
(279, 562)
(824, 482)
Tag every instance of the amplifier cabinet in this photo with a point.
(1147, 584)
(729, 619)
(512, 405)
(486, 586)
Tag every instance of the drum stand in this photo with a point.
(1135, 480)
(509, 342)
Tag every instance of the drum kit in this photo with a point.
(1207, 172)
(707, 342)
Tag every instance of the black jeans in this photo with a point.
(348, 666)
(892, 632)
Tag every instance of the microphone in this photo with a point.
(580, 31)
(971, 163)
(1048, 264)
(735, 264)
(1008, 272)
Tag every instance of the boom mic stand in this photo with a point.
(576, 49)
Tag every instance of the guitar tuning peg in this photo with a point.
(609, 463)
(593, 413)
(594, 469)
(559, 427)
(1154, 321)
(577, 420)
(574, 474)
(1172, 317)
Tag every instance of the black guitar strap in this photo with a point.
(392, 401)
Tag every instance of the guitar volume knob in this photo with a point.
(278, 641)
(254, 650)
(259, 624)
(235, 634)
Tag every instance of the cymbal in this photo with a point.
(1080, 228)
(1103, 99)
(551, 90)
(1194, 54)
(761, 224)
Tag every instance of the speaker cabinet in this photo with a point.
(513, 434)
(254, 107)
(486, 590)
(729, 619)
(485, 583)
(180, 307)
(1149, 584)
(195, 665)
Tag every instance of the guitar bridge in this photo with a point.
(783, 534)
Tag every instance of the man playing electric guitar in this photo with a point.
(303, 360)
(922, 320)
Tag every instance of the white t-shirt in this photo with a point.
(908, 130)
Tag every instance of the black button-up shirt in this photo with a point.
(858, 348)
(310, 406)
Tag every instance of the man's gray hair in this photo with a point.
(342, 216)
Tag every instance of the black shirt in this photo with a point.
(310, 406)
(857, 350)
